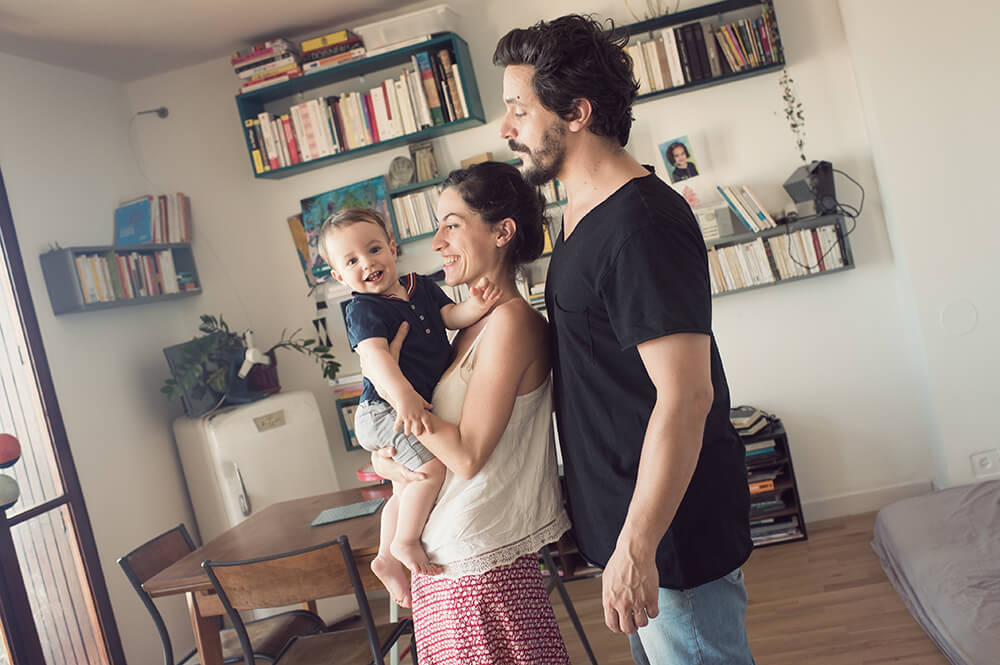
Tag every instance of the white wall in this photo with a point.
(931, 114)
(832, 356)
(66, 162)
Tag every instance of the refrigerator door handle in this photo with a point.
(243, 497)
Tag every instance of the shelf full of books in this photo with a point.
(81, 279)
(703, 46)
(360, 106)
(775, 505)
(784, 253)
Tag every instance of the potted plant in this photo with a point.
(209, 366)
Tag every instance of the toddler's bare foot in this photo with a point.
(395, 577)
(412, 555)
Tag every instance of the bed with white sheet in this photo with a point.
(941, 551)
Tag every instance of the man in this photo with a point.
(655, 471)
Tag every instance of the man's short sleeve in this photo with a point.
(658, 284)
(364, 322)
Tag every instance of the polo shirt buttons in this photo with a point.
(421, 317)
(428, 331)
(413, 306)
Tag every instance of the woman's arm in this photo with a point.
(513, 348)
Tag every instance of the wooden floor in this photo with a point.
(824, 601)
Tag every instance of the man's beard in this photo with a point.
(547, 161)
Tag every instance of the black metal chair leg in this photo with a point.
(558, 583)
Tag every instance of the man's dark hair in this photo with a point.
(576, 58)
(673, 146)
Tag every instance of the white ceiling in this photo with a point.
(125, 40)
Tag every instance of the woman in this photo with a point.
(492, 428)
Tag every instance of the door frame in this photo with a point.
(14, 599)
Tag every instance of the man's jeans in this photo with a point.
(699, 626)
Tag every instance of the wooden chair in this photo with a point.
(268, 636)
(319, 571)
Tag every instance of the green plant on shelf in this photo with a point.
(210, 360)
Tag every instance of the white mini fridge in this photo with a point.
(241, 459)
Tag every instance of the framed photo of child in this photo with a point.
(679, 159)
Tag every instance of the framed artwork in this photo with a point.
(679, 159)
(371, 193)
(346, 408)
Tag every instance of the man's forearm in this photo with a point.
(669, 456)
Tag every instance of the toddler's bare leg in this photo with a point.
(415, 506)
(393, 574)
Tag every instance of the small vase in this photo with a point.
(264, 378)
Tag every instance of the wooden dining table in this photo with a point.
(279, 528)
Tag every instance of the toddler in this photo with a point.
(396, 396)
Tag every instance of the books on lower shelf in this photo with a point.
(775, 529)
(787, 252)
(84, 278)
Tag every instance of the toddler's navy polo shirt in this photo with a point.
(426, 352)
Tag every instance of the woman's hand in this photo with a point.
(384, 466)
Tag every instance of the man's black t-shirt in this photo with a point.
(635, 269)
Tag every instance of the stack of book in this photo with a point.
(553, 191)
(349, 386)
(748, 209)
(748, 420)
(774, 529)
(165, 218)
(262, 65)
(426, 94)
(695, 52)
(331, 50)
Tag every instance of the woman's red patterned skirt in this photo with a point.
(502, 617)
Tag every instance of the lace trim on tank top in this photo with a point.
(502, 556)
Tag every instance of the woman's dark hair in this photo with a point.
(673, 146)
(496, 191)
(576, 58)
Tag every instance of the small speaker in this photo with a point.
(814, 182)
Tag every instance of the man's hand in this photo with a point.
(485, 294)
(413, 414)
(630, 587)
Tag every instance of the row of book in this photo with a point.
(122, 275)
(698, 51)
(746, 207)
(768, 260)
(163, 218)
(278, 60)
(416, 212)
(427, 94)
(553, 191)
(769, 530)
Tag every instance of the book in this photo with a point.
(743, 415)
(328, 39)
(753, 428)
(134, 222)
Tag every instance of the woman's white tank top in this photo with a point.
(513, 505)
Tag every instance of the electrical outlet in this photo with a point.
(986, 463)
